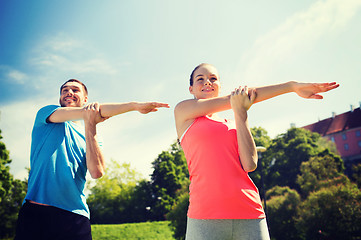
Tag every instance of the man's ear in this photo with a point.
(86, 99)
(191, 89)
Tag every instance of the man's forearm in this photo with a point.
(94, 156)
(112, 109)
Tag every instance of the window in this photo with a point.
(358, 133)
(346, 146)
(359, 143)
(344, 137)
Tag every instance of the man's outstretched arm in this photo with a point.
(107, 110)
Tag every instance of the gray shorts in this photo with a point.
(224, 229)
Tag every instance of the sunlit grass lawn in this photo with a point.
(146, 230)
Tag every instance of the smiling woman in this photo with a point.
(220, 154)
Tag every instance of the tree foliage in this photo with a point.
(178, 216)
(260, 136)
(262, 140)
(320, 171)
(169, 175)
(122, 196)
(12, 193)
(286, 154)
(331, 213)
(281, 212)
(356, 174)
(110, 200)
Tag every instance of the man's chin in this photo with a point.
(70, 104)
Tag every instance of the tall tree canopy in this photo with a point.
(169, 175)
(12, 193)
(285, 155)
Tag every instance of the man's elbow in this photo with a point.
(95, 174)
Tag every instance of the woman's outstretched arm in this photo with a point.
(304, 90)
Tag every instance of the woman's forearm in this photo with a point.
(246, 145)
(267, 92)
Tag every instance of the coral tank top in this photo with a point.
(219, 188)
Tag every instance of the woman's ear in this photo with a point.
(191, 89)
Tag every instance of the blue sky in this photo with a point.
(145, 50)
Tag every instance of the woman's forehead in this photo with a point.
(206, 70)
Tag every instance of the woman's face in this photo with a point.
(206, 82)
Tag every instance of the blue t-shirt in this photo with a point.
(57, 164)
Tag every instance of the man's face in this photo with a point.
(73, 95)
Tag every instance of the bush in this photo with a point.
(281, 212)
(178, 217)
(332, 213)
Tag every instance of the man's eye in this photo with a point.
(200, 79)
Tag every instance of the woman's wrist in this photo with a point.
(291, 86)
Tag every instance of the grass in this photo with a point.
(132, 231)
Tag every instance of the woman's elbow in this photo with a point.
(251, 168)
(251, 165)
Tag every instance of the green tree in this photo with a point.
(260, 136)
(12, 193)
(178, 216)
(356, 174)
(111, 196)
(285, 155)
(170, 173)
(322, 170)
(331, 213)
(281, 212)
(262, 140)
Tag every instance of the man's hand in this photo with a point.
(148, 107)
(92, 113)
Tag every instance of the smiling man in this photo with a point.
(64, 147)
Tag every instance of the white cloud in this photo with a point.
(17, 76)
(298, 33)
(63, 54)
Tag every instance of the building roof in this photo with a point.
(337, 123)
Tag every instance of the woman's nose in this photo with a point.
(207, 82)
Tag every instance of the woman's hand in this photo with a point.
(242, 99)
(148, 107)
(312, 90)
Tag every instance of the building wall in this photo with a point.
(348, 142)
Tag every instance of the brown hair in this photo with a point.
(75, 80)
(195, 69)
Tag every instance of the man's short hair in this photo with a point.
(74, 80)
